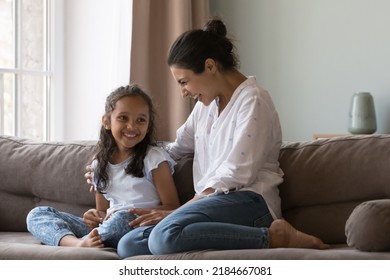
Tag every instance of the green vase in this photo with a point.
(362, 119)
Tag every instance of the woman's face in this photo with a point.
(198, 86)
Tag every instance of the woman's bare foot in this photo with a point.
(284, 235)
(92, 240)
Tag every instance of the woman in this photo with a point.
(234, 133)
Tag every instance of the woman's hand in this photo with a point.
(147, 217)
(92, 218)
(88, 175)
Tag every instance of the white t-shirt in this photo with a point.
(238, 149)
(126, 191)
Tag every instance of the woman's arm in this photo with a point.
(154, 216)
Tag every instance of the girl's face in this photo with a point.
(129, 122)
(198, 86)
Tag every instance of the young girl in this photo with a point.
(130, 172)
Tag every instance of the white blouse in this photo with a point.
(237, 150)
(126, 191)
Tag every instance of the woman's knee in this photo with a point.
(162, 242)
(134, 243)
(167, 237)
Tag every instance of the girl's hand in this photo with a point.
(147, 217)
(88, 175)
(92, 218)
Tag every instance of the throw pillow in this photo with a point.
(368, 226)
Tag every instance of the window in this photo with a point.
(25, 72)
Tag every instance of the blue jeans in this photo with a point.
(50, 225)
(238, 220)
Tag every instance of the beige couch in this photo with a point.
(337, 189)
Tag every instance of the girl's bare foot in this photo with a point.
(284, 235)
(92, 240)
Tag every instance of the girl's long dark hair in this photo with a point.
(106, 145)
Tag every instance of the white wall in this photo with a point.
(312, 56)
(96, 44)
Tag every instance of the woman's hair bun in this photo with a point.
(216, 26)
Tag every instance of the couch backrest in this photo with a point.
(33, 174)
(326, 179)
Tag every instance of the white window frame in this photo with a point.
(18, 71)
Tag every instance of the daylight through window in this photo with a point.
(25, 72)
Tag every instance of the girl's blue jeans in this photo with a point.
(238, 220)
(50, 225)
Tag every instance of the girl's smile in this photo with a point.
(128, 122)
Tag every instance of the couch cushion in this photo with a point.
(23, 246)
(368, 226)
(339, 252)
(326, 179)
(183, 178)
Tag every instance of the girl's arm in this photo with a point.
(166, 188)
(102, 203)
(93, 217)
(165, 185)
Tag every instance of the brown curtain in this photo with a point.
(156, 24)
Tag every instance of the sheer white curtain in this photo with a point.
(96, 60)
(120, 42)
